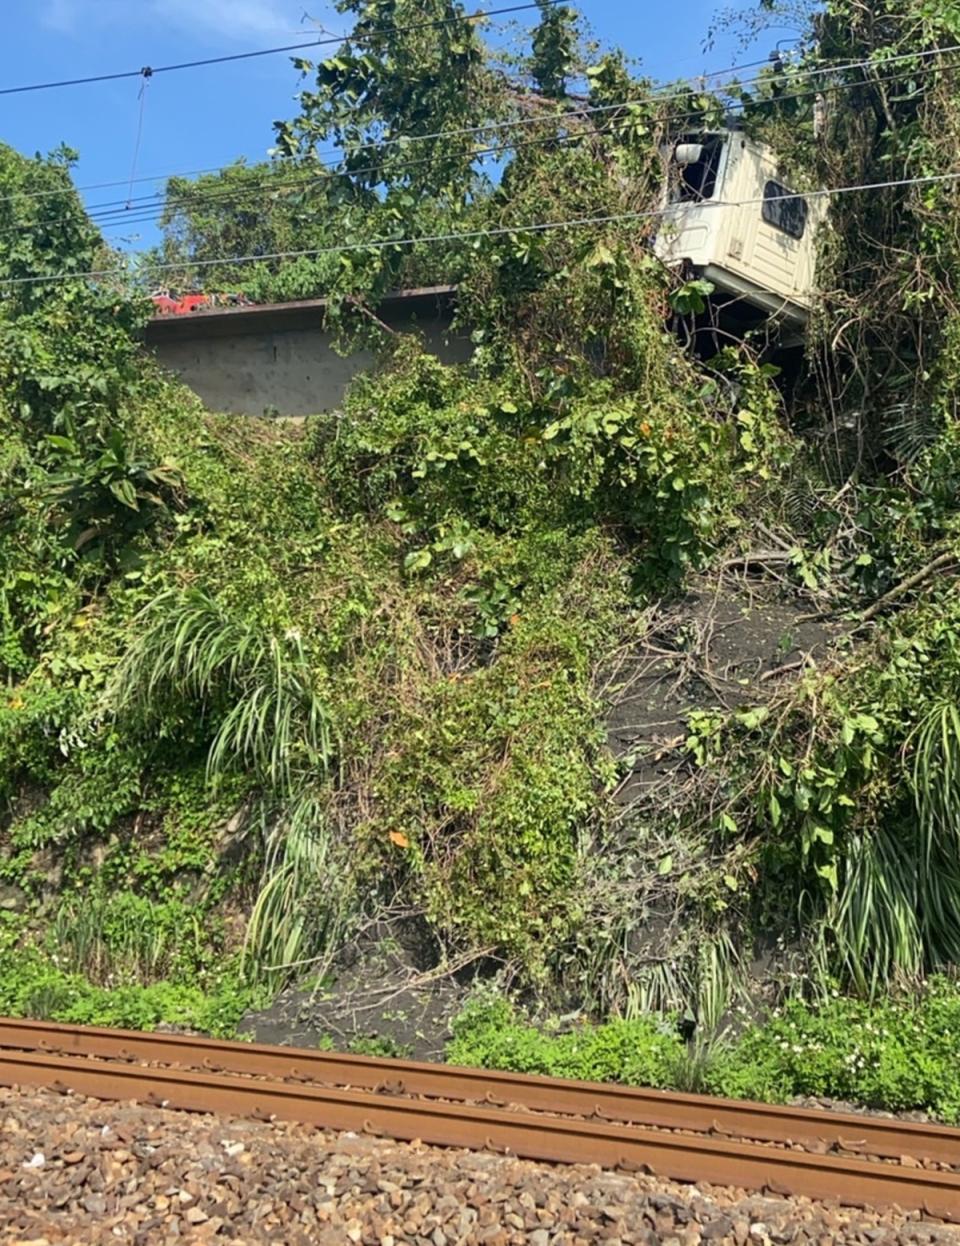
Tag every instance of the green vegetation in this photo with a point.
(379, 1047)
(641, 1052)
(264, 686)
(284, 208)
(895, 1055)
(37, 981)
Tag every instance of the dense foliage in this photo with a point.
(43, 981)
(282, 219)
(896, 1055)
(854, 765)
(488, 1033)
(274, 685)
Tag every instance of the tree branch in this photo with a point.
(942, 560)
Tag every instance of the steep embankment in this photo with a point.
(271, 695)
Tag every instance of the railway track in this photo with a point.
(857, 1161)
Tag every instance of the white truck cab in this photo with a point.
(730, 217)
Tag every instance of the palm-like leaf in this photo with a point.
(257, 690)
(305, 901)
(907, 430)
(256, 684)
(898, 913)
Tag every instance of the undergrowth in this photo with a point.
(642, 1052)
(265, 686)
(897, 1056)
(34, 984)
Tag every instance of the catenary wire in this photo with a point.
(586, 110)
(160, 177)
(148, 208)
(457, 132)
(496, 232)
(290, 47)
(142, 101)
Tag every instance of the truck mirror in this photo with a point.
(688, 153)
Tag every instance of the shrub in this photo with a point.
(643, 1051)
(30, 986)
(896, 1055)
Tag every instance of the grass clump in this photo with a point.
(33, 985)
(128, 938)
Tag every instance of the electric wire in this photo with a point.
(140, 212)
(495, 232)
(148, 208)
(136, 147)
(585, 110)
(290, 47)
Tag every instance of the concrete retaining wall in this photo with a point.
(280, 359)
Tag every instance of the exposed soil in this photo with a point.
(382, 993)
(718, 648)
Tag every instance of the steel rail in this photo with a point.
(675, 1156)
(318, 1081)
(888, 1138)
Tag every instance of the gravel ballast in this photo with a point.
(78, 1170)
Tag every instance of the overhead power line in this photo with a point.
(102, 211)
(697, 83)
(148, 208)
(289, 47)
(378, 244)
(142, 100)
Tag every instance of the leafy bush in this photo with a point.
(895, 1055)
(494, 805)
(451, 458)
(848, 785)
(641, 1052)
(900, 1055)
(31, 986)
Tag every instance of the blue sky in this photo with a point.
(206, 117)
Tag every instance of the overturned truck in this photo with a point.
(730, 218)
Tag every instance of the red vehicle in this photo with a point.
(169, 303)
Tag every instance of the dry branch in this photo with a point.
(942, 560)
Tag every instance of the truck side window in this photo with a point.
(790, 215)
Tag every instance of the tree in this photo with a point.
(409, 70)
(404, 102)
(554, 50)
(70, 367)
(255, 210)
(44, 230)
(870, 100)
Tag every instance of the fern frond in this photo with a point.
(907, 430)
